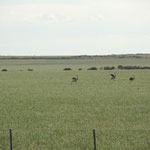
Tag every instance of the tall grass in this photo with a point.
(46, 112)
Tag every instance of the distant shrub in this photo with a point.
(4, 70)
(138, 57)
(132, 67)
(121, 56)
(145, 67)
(80, 69)
(92, 68)
(30, 69)
(67, 69)
(120, 67)
(109, 68)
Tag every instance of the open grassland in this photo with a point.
(46, 112)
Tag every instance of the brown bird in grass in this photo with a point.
(75, 79)
(113, 76)
(132, 78)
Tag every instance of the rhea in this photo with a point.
(113, 76)
(75, 79)
(132, 78)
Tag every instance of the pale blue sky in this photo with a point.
(74, 27)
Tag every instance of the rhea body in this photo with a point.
(132, 78)
(75, 79)
(113, 76)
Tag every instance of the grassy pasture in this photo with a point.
(46, 112)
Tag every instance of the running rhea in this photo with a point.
(132, 78)
(113, 76)
(75, 79)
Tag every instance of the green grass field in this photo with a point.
(46, 112)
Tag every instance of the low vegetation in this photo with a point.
(109, 68)
(66, 69)
(132, 67)
(30, 69)
(4, 70)
(92, 68)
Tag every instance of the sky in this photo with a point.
(74, 27)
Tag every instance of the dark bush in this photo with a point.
(4, 70)
(67, 69)
(120, 67)
(80, 69)
(109, 68)
(132, 67)
(92, 68)
(145, 67)
(30, 69)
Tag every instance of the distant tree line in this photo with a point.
(112, 68)
(121, 56)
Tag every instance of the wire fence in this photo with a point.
(96, 143)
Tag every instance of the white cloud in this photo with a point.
(56, 12)
(88, 24)
(134, 13)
